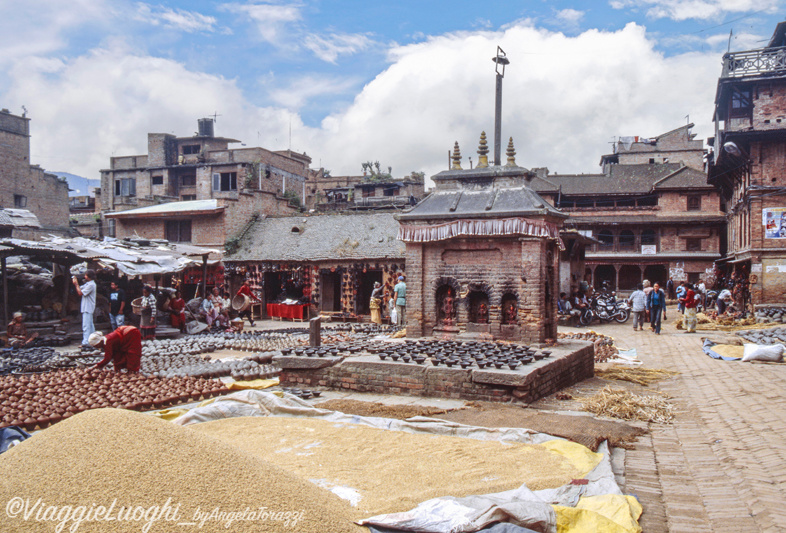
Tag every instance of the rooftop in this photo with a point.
(321, 238)
(171, 208)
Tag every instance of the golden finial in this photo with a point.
(456, 157)
(483, 151)
(511, 153)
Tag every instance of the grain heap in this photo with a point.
(392, 471)
(141, 461)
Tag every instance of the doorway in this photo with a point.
(366, 285)
(331, 291)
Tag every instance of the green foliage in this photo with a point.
(293, 198)
(232, 245)
(374, 172)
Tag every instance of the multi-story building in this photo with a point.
(339, 193)
(748, 166)
(196, 189)
(26, 186)
(651, 209)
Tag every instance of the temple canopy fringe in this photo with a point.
(498, 227)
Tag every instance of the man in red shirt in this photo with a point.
(123, 347)
(245, 290)
(690, 301)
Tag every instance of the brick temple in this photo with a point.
(482, 255)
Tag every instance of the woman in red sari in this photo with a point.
(176, 306)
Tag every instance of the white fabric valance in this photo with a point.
(479, 228)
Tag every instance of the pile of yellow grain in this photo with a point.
(392, 471)
(130, 464)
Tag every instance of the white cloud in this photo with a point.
(271, 20)
(570, 16)
(564, 100)
(188, 21)
(304, 88)
(54, 20)
(330, 47)
(696, 9)
(85, 110)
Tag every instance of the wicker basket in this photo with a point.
(241, 302)
(136, 306)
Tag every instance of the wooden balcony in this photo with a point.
(764, 61)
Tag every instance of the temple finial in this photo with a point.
(483, 151)
(511, 153)
(456, 157)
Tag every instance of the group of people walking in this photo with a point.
(649, 302)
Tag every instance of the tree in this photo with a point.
(374, 171)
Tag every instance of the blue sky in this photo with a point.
(353, 81)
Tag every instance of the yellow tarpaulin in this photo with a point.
(253, 384)
(610, 513)
(581, 457)
(169, 414)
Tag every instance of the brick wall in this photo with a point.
(571, 362)
(46, 195)
(498, 267)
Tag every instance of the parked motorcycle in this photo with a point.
(605, 308)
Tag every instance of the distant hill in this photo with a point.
(80, 186)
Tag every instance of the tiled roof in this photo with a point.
(625, 179)
(321, 238)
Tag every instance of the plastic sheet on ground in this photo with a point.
(520, 507)
(722, 351)
(626, 357)
(610, 513)
(11, 436)
(253, 384)
(169, 414)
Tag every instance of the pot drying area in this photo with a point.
(212, 429)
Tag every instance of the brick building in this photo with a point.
(27, 186)
(748, 166)
(483, 255)
(210, 192)
(329, 262)
(339, 193)
(651, 209)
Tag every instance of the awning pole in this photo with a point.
(66, 285)
(204, 276)
(5, 290)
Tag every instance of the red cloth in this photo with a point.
(287, 311)
(690, 299)
(124, 348)
(178, 316)
(245, 289)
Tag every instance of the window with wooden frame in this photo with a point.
(191, 149)
(694, 203)
(188, 180)
(225, 181)
(693, 244)
(741, 103)
(178, 230)
(156, 180)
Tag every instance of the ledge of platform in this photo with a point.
(288, 362)
(570, 362)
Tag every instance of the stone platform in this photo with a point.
(570, 362)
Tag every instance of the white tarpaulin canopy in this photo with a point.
(132, 257)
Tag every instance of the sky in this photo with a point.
(352, 81)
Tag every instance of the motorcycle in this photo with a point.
(605, 308)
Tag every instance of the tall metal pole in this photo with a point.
(501, 60)
(498, 122)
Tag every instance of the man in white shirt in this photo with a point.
(88, 293)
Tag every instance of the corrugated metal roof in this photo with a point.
(322, 238)
(169, 208)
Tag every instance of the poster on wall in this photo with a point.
(774, 220)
